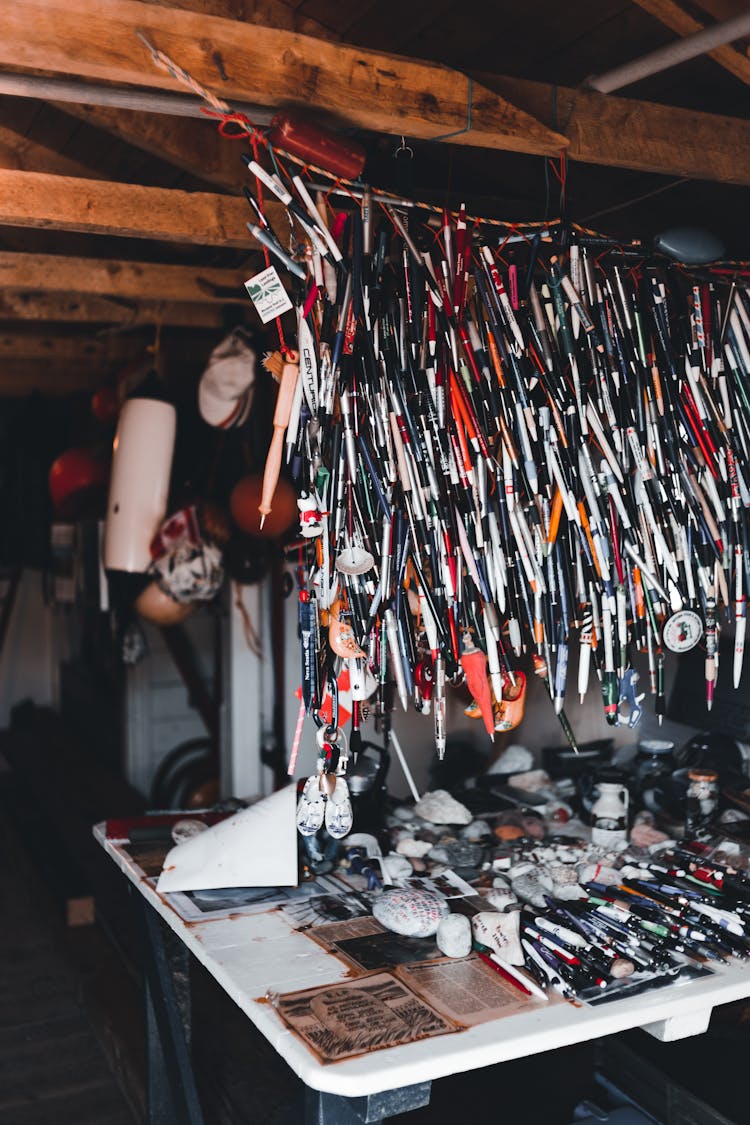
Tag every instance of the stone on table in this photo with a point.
(501, 897)
(531, 781)
(501, 933)
(409, 912)
(414, 849)
(476, 831)
(454, 935)
(440, 808)
(458, 854)
(514, 759)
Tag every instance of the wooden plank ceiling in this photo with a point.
(113, 220)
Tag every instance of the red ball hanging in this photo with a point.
(244, 502)
(77, 480)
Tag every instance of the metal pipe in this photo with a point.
(674, 53)
(85, 93)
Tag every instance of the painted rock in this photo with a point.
(500, 897)
(454, 935)
(410, 912)
(595, 873)
(501, 933)
(440, 808)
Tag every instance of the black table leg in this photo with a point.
(171, 1095)
(331, 1109)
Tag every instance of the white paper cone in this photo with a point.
(256, 847)
(139, 485)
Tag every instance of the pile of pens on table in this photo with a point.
(506, 442)
(665, 918)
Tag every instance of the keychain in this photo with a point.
(325, 796)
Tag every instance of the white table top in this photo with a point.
(250, 954)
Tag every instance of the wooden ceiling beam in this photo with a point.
(129, 281)
(625, 133)
(21, 153)
(54, 308)
(674, 15)
(266, 66)
(49, 347)
(21, 377)
(31, 199)
(193, 146)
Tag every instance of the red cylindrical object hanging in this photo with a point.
(336, 154)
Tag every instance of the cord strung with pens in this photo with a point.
(501, 458)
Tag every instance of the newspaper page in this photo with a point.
(464, 990)
(331, 933)
(361, 1015)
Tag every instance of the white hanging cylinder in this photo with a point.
(139, 484)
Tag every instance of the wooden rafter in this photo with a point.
(673, 14)
(50, 347)
(266, 66)
(58, 308)
(30, 199)
(128, 281)
(625, 133)
(193, 146)
(22, 153)
(20, 377)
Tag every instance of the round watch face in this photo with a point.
(682, 631)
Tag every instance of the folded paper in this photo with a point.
(257, 847)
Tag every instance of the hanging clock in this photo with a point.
(682, 631)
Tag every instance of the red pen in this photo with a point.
(492, 964)
(513, 283)
(453, 632)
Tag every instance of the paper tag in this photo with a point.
(268, 294)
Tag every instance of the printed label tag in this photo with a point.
(268, 294)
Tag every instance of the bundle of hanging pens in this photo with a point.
(499, 457)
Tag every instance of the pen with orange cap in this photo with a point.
(286, 370)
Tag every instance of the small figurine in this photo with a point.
(628, 697)
(310, 517)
